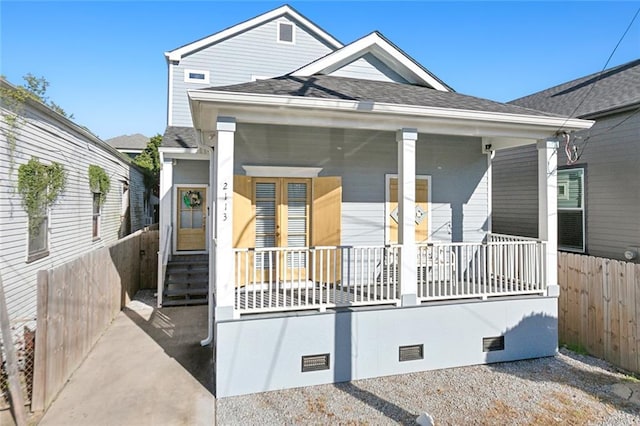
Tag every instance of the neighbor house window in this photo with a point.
(38, 236)
(286, 32)
(196, 76)
(96, 215)
(571, 212)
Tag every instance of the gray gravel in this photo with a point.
(568, 389)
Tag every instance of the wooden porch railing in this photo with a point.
(164, 255)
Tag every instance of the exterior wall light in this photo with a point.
(631, 253)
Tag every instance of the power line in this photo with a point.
(584, 98)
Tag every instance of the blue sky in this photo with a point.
(105, 62)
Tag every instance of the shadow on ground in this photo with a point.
(178, 331)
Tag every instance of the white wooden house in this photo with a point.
(75, 224)
(343, 208)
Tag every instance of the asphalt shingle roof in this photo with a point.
(331, 87)
(612, 89)
(179, 137)
(136, 141)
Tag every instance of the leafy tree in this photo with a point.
(37, 88)
(149, 161)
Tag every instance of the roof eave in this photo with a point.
(374, 115)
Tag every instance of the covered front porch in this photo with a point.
(352, 238)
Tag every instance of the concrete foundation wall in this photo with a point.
(262, 354)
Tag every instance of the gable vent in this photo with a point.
(490, 344)
(410, 353)
(315, 362)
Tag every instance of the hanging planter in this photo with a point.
(99, 181)
(192, 199)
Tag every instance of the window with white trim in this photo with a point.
(286, 32)
(96, 215)
(196, 76)
(571, 211)
(38, 245)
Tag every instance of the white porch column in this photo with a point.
(223, 217)
(406, 139)
(548, 209)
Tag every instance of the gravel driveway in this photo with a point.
(568, 389)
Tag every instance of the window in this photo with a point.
(38, 236)
(196, 76)
(286, 32)
(571, 213)
(96, 216)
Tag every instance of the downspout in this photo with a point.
(210, 210)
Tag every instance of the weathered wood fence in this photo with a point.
(78, 300)
(599, 307)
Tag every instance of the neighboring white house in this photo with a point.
(77, 222)
(343, 204)
(598, 187)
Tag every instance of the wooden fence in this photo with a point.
(599, 307)
(78, 300)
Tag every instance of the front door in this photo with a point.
(282, 220)
(191, 218)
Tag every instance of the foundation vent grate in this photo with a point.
(411, 353)
(490, 344)
(315, 362)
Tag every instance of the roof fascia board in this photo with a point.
(379, 47)
(177, 54)
(377, 115)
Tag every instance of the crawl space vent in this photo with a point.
(490, 344)
(411, 353)
(315, 362)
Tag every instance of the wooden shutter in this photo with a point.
(243, 225)
(326, 229)
(326, 217)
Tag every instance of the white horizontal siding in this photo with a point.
(255, 52)
(70, 219)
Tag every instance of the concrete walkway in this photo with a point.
(147, 369)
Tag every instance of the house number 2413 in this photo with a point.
(225, 187)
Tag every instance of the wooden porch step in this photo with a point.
(184, 302)
(186, 292)
(194, 281)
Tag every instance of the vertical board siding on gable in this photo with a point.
(368, 67)
(235, 60)
(362, 158)
(70, 219)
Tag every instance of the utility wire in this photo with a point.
(584, 98)
(588, 138)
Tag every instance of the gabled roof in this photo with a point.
(613, 89)
(379, 46)
(343, 88)
(177, 54)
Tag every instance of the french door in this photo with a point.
(282, 207)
